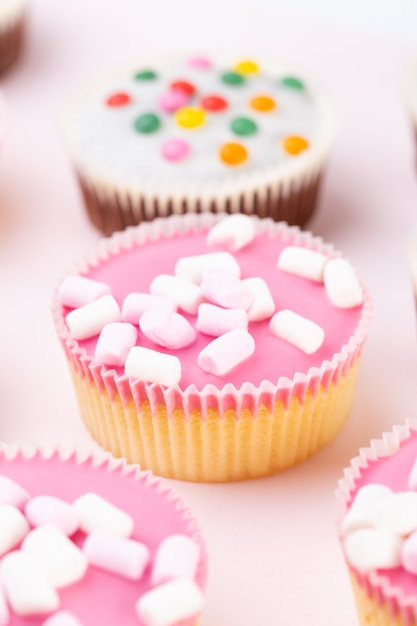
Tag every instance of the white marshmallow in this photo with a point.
(89, 320)
(13, 527)
(192, 268)
(27, 589)
(12, 493)
(153, 366)
(135, 304)
(53, 511)
(96, 513)
(412, 478)
(214, 320)
(62, 618)
(4, 609)
(226, 290)
(186, 295)
(233, 232)
(226, 352)
(342, 285)
(76, 291)
(177, 556)
(114, 343)
(409, 554)
(167, 328)
(361, 511)
(397, 513)
(125, 557)
(303, 262)
(297, 330)
(170, 603)
(59, 558)
(371, 548)
(263, 305)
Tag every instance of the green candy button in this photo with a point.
(293, 83)
(147, 123)
(243, 126)
(233, 78)
(145, 75)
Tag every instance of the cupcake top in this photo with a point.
(378, 526)
(236, 300)
(89, 541)
(198, 120)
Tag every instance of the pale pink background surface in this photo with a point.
(272, 542)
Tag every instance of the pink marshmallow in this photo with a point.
(226, 352)
(114, 343)
(50, 510)
(125, 557)
(76, 291)
(214, 320)
(226, 290)
(135, 304)
(409, 553)
(12, 493)
(177, 556)
(187, 295)
(167, 328)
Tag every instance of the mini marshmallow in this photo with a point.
(59, 558)
(263, 305)
(409, 554)
(125, 557)
(342, 285)
(89, 320)
(233, 232)
(297, 330)
(371, 548)
(62, 618)
(186, 295)
(153, 366)
(226, 290)
(96, 513)
(13, 527)
(167, 328)
(397, 513)
(303, 262)
(76, 291)
(170, 603)
(193, 268)
(226, 352)
(53, 511)
(361, 511)
(27, 588)
(135, 304)
(12, 493)
(177, 556)
(4, 609)
(215, 321)
(412, 478)
(114, 343)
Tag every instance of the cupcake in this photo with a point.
(213, 348)
(94, 541)
(12, 26)
(199, 135)
(377, 523)
(412, 258)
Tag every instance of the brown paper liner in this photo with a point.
(11, 43)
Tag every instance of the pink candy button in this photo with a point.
(175, 150)
(202, 63)
(173, 100)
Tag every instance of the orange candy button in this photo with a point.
(293, 144)
(233, 153)
(263, 103)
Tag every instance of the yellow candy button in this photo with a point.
(293, 144)
(190, 117)
(247, 67)
(233, 153)
(263, 103)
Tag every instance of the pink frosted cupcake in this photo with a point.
(377, 522)
(94, 541)
(12, 27)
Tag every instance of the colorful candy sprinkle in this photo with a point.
(118, 99)
(234, 79)
(233, 153)
(183, 85)
(263, 103)
(294, 144)
(173, 100)
(201, 63)
(147, 123)
(175, 150)
(214, 103)
(243, 126)
(145, 75)
(293, 83)
(247, 67)
(190, 117)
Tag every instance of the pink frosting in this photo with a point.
(101, 598)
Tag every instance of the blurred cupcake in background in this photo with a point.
(12, 32)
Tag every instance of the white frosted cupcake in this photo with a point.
(199, 135)
(12, 27)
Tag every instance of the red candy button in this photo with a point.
(214, 103)
(119, 99)
(183, 85)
